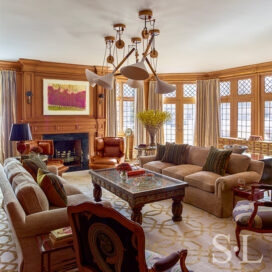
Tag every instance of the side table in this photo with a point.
(145, 150)
(246, 193)
(47, 249)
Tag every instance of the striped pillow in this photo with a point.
(32, 165)
(52, 187)
(217, 161)
(160, 152)
(175, 153)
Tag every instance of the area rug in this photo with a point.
(195, 232)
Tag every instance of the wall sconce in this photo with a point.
(100, 98)
(29, 97)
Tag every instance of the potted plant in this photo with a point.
(153, 120)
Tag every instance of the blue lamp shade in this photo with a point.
(20, 132)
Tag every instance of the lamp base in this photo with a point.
(21, 147)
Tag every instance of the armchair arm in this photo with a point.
(262, 186)
(166, 263)
(145, 159)
(226, 183)
(53, 169)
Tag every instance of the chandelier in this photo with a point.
(137, 72)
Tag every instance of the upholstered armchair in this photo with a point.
(253, 216)
(105, 240)
(47, 147)
(108, 152)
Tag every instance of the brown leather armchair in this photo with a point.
(47, 149)
(108, 152)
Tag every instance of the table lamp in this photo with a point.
(20, 133)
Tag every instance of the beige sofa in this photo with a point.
(25, 227)
(207, 190)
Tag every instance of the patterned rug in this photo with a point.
(195, 233)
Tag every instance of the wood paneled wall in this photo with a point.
(30, 75)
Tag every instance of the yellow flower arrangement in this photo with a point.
(153, 118)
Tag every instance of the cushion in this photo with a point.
(197, 155)
(175, 153)
(160, 152)
(70, 189)
(203, 180)
(104, 160)
(32, 198)
(33, 164)
(243, 210)
(14, 160)
(20, 178)
(112, 151)
(181, 171)
(112, 141)
(217, 161)
(12, 169)
(52, 187)
(238, 163)
(157, 166)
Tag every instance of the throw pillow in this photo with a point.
(217, 161)
(52, 187)
(33, 164)
(175, 153)
(160, 152)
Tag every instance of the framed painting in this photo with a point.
(66, 97)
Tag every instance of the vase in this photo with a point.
(123, 175)
(152, 133)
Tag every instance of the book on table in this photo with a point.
(61, 236)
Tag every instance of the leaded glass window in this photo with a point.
(244, 120)
(244, 86)
(225, 120)
(225, 88)
(128, 91)
(268, 84)
(268, 120)
(128, 115)
(169, 127)
(189, 90)
(188, 123)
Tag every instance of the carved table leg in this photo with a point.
(97, 192)
(177, 208)
(136, 215)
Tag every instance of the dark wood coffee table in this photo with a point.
(138, 192)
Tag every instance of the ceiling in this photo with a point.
(196, 36)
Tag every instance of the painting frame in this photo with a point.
(58, 109)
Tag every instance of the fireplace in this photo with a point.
(72, 148)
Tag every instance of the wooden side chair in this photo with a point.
(253, 216)
(106, 241)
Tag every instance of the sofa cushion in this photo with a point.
(53, 188)
(14, 160)
(238, 163)
(31, 198)
(20, 178)
(14, 168)
(78, 199)
(197, 155)
(217, 161)
(181, 171)
(70, 189)
(33, 164)
(160, 152)
(175, 153)
(157, 166)
(203, 180)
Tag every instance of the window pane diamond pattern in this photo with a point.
(128, 115)
(128, 91)
(189, 90)
(244, 86)
(188, 123)
(268, 84)
(173, 94)
(224, 88)
(225, 120)
(244, 120)
(117, 89)
(268, 121)
(169, 128)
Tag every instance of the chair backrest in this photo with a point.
(46, 145)
(106, 241)
(109, 146)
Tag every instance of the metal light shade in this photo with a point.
(135, 71)
(135, 83)
(20, 132)
(105, 81)
(91, 77)
(163, 88)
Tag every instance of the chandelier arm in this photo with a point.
(124, 59)
(148, 46)
(151, 68)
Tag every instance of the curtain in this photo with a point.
(139, 131)
(207, 113)
(7, 113)
(155, 103)
(111, 128)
